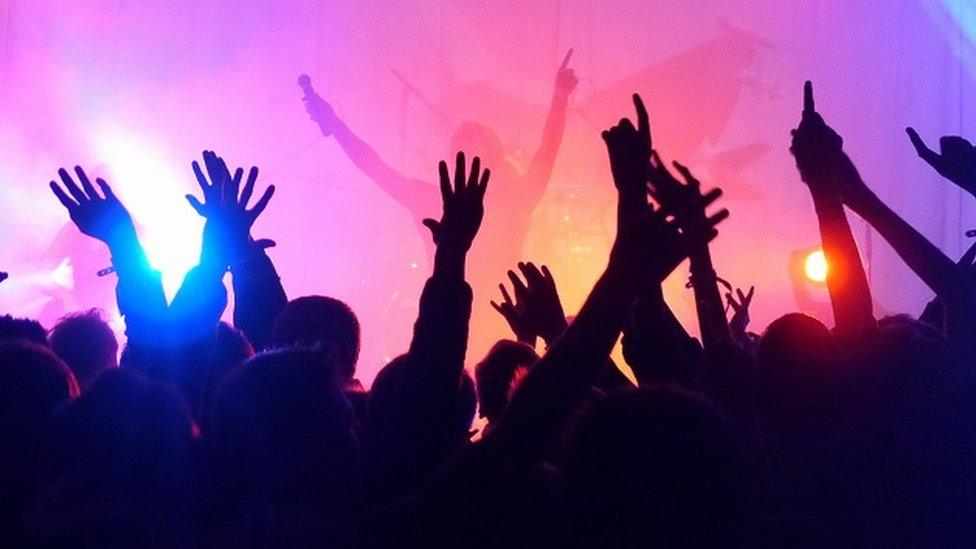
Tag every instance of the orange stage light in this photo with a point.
(815, 266)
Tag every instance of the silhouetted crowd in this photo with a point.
(258, 434)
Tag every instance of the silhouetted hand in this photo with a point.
(101, 217)
(513, 311)
(630, 152)
(320, 111)
(685, 200)
(463, 204)
(648, 247)
(740, 310)
(229, 221)
(566, 79)
(3, 276)
(817, 148)
(957, 161)
(537, 309)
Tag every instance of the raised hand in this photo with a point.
(686, 203)
(100, 216)
(817, 148)
(463, 204)
(537, 309)
(740, 309)
(513, 311)
(833, 180)
(318, 109)
(566, 79)
(685, 200)
(647, 248)
(956, 160)
(225, 207)
(630, 153)
(542, 304)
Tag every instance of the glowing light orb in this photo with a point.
(152, 186)
(815, 266)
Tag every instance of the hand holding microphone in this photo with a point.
(318, 109)
(305, 81)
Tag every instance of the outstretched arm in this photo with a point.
(687, 200)
(952, 283)
(139, 291)
(441, 333)
(258, 294)
(414, 195)
(956, 160)
(537, 175)
(818, 149)
(934, 312)
(405, 447)
(657, 347)
(201, 300)
(629, 149)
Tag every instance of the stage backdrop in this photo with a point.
(136, 90)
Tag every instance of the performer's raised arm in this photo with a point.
(413, 194)
(540, 168)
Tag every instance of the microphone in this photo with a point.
(305, 82)
(323, 114)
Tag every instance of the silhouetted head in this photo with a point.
(383, 403)
(918, 382)
(911, 448)
(919, 385)
(651, 467)
(477, 139)
(499, 373)
(33, 383)
(230, 350)
(321, 323)
(118, 465)
(13, 329)
(86, 343)
(282, 433)
(801, 378)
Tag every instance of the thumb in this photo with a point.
(264, 243)
(195, 204)
(921, 148)
(434, 226)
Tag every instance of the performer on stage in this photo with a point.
(518, 189)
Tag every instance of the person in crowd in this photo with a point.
(855, 433)
(517, 189)
(22, 329)
(35, 384)
(87, 344)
